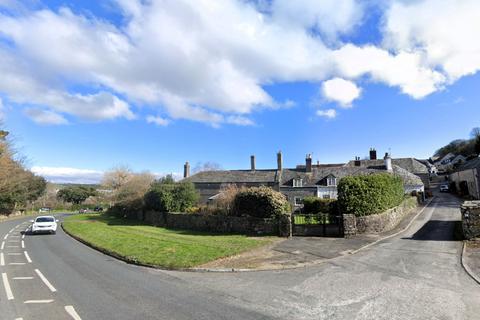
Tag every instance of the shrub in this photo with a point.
(313, 205)
(170, 197)
(260, 202)
(369, 194)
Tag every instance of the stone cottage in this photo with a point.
(466, 178)
(412, 165)
(295, 183)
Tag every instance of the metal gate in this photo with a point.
(320, 225)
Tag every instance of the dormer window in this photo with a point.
(297, 183)
(331, 181)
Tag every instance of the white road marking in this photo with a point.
(13, 253)
(38, 301)
(22, 278)
(8, 289)
(23, 235)
(17, 263)
(71, 311)
(18, 318)
(12, 246)
(47, 283)
(27, 256)
(13, 241)
(11, 230)
(6, 236)
(2, 259)
(23, 244)
(3, 245)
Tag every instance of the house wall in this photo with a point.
(471, 177)
(292, 192)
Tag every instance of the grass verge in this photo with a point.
(147, 245)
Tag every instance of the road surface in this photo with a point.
(416, 275)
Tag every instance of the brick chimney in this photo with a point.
(308, 163)
(252, 162)
(279, 161)
(357, 162)
(186, 170)
(373, 154)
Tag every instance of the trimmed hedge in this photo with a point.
(369, 194)
(313, 205)
(171, 197)
(260, 202)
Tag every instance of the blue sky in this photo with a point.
(153, 85)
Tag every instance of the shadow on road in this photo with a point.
(439, 230)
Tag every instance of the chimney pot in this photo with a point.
(186, 170)
(308, 163)
(388, 162)
(373, 154)
(279, 161)
(252, 162)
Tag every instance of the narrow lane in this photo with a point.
(416, 275)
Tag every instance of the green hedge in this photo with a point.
(260, 202)
(313, 205)
(369, 194)
(171, 197)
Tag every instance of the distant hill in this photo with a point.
(63, 185)
(465, 147)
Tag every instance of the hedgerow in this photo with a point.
(369, 194)
(260, 202)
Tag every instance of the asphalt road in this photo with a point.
(416, 275)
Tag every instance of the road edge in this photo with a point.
(465, 266)
(234, 270)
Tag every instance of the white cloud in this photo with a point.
(45, 117)
(329, 113)
(341, 91)
(210, 60)
(444, 32)
(159, 121)
(68, 175)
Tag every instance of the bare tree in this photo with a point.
(207, 166)
(475, 133)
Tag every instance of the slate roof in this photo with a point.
(471, 164)
(312, 179)
(234, 176)
(410, 164)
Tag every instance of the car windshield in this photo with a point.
(44, 219)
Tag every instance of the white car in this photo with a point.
(44, 224)
(444, 188)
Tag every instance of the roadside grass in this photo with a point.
(148, 245)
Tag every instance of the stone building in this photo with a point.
(295, 183)
(466, 178)
(412, 165)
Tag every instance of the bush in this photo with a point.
(369, 194)
(312, 205)
(260, 202)
(170, 197)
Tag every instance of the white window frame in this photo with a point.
(297, 183)
(331, 179)
(295, 201)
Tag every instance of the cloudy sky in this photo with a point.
(88, 85)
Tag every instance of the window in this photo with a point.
(326, 196)
(331, 181)
(298, 201)
(297, 183)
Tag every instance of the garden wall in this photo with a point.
(377, 223)
(219, 223)
(471, 219)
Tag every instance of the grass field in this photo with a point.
(157, 246)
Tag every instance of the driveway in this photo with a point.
(416, 275)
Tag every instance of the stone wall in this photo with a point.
(219, 223)
(377, 223)
(471, 219)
